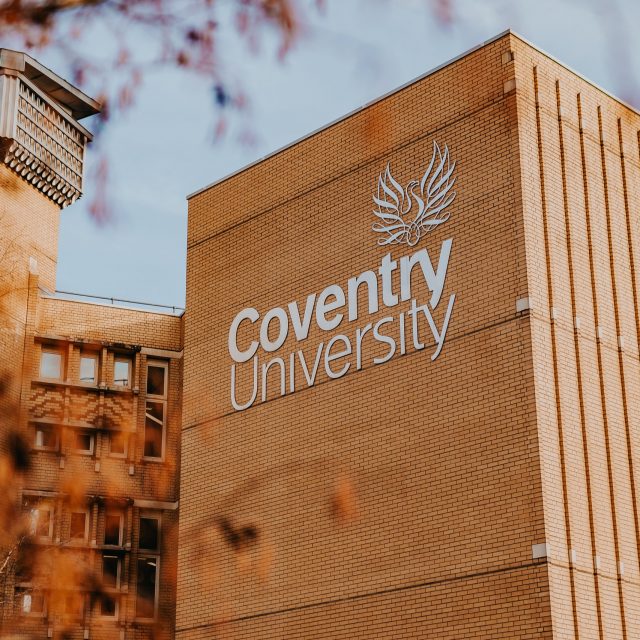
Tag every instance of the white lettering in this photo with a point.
(328, 308)
(265, 373)
(236, 405)
(283, 321)
(439, 336)
(301, 328)
(387, 267)
(413, 313)
(329, 357)
(251, 315)
(372, 287)
(323, 307)
(434, 280)
(311, 378)
(360, 333)
(386, 339)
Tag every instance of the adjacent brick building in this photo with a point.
(94, 388)
(379, 442)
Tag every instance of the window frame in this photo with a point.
(156, 596)
(120, 515)
(112, 592)
(150, 516)
(115, 596)
(163, 440)
(160, 399)
(83, 452)
(85, 537)
(159, 364)
(118, 559)
(23, 591)
(56, 433)
(125, 437)
(129, 361)
(41, 505)
(56, 350)
(89, 355)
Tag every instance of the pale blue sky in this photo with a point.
(162, 149)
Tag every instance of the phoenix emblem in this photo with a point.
(405, 215)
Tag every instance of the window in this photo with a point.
(110, 581)
(113, 529)
(108, 606)
(154, 430)
(110, 571)
(46, 438)
(122, 372)
(157, 379)
(155, 417)
(89, 368)
(51, 364)
(117, 444)
(30, 602)
(147, 588)
(40, 518)
(83, 442)
(24, 567)
(79, 525)
(149, 537)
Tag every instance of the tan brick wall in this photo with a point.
(581, 185)
(28, 228)
(442, 456)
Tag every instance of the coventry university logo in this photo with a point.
(405, 215)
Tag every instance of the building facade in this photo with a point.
(411, 370)
(92, 389)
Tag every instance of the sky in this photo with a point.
(162, 148)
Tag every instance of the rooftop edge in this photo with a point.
(400, 88)
(76, 101)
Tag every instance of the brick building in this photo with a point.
(412, 401)
(411, 366)
(95, 388)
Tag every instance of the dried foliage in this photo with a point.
(67, 572)
(191, 36)
(187, 34)
(73, 584)
(183, 34)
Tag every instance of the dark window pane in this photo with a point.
(155, 380)
(84, 441)
(107, 606)
(24, 568)
(112, 528)
(78, 525)
(46, 438)
(110, 571)
(149, 533)
(146, 590)
(153, 429)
